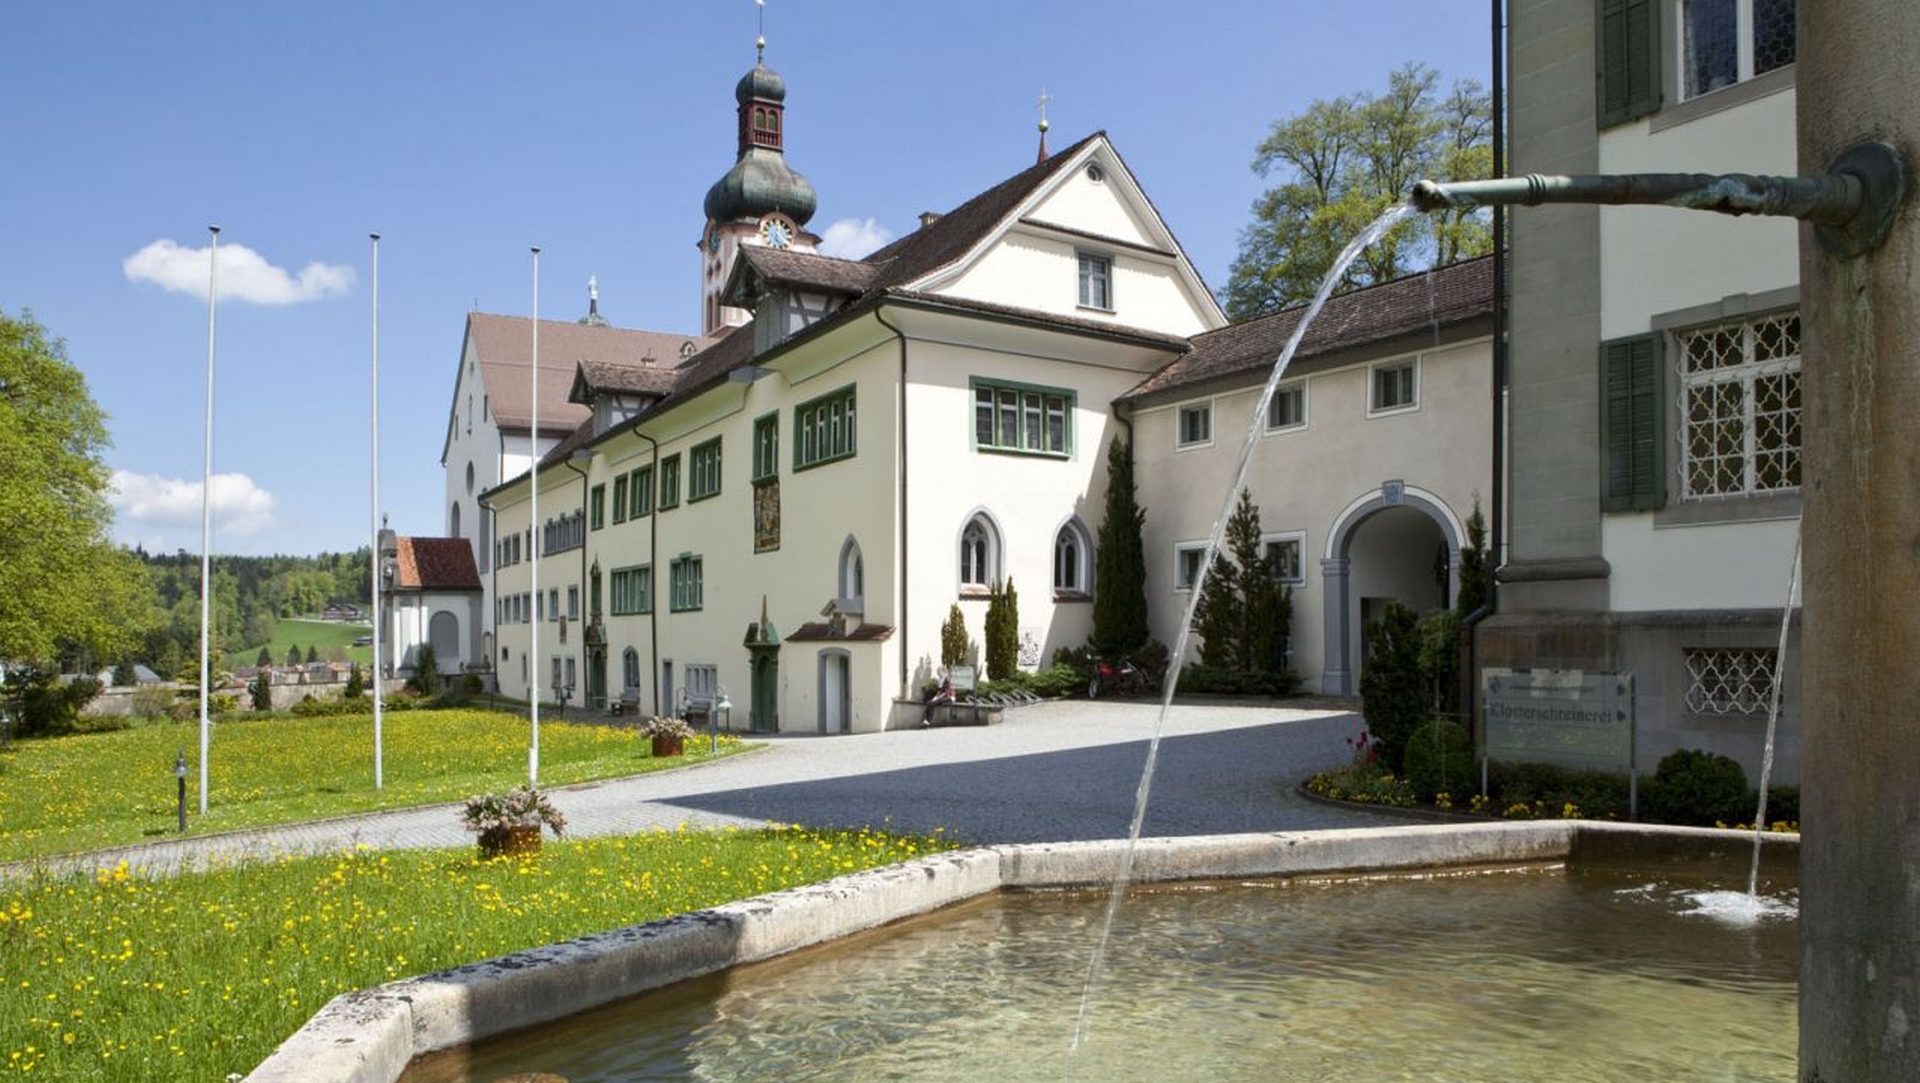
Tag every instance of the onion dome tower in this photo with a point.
(761, 200)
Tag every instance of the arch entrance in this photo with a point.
(1394, 544)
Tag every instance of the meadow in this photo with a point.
(91, 791)
(323, 636)
(115, 977)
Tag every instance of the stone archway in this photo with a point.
(1407, 506)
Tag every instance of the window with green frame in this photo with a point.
(824, 429)
(640, 493)
(687, 591)
(632, 590)
(620, 499)
(670, 482)
(1022, 418)
(766, 447)
(597, 507)
(703, 471)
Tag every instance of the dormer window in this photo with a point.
(1096, 281)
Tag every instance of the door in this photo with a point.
(766, 685)
(597, 678)
(834, 691)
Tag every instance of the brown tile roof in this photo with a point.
(808, 269)
(504, 345)
(954, 233)
(819, 631)
(1449, 295)
(436, 564)
(624, 379)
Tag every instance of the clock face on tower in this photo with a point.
(776, 231)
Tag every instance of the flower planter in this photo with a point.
(668, 746)
(510, 841)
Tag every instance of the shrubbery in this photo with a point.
(42, 704)
(1692, 786)
(1220, 680)
(1439, 759)
(1394, 687)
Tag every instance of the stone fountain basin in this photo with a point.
(370, 1035)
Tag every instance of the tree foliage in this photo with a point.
(262, 690)
(954, 643)
(1473, 565)
(1003, 632)
(1245, 617)
(1343, 161)
(67, 593)
(1120, 564)
(1394, 687)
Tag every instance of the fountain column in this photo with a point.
(1860, 856)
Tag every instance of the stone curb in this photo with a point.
(78, 860)
(369, 1036)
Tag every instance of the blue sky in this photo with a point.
(464, 132)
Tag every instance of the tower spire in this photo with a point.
(1044, 99)
(760, 41)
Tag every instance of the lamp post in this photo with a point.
(722, 714)
(180, 775)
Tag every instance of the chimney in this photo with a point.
(928, 218)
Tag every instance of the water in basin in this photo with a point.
(1579, 974)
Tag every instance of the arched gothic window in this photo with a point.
(1071, 557)
(979, 554)
(630, 669)
(852, 578)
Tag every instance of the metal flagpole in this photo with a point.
(373, 486)
(206, 512)
(533, 513)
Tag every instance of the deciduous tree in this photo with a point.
(65, 588)
(1343, 161)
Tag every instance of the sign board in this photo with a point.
(1568, 717)
(962, 678)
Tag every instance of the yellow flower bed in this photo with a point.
(95, 790)
(117, 977)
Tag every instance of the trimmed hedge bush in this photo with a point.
(1693, 786)
(1220, 680)
(1439, 759)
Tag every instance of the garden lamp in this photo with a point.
(180, 773)
(722, 716)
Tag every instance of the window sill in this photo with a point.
(1100, 310)
(972, 593)
(1195, 446)
(703, 496)
(799, 466)
(1068, 596)
(1031, 453)
(1727, 97)
(1393, 411)
(1728, 509)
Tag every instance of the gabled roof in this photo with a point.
(435, 564)
(956, 232)
(594, 377)
(504, 346)
(760, 266)
(1439, 298)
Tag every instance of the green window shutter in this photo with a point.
(1627, 58)
(1632, 424)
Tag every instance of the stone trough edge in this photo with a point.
(371, 1035)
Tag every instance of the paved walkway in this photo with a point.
(1051, 772)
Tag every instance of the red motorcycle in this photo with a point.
(1119, 676)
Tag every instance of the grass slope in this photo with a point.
(105, 789)
(319, 634)
(114, 977)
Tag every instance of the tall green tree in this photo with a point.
(1003, 632)
(264, 659)
(293, 654)
(1343, 161)
(954, 643)
(67, 593)
(1120, 564)
(1245, 616)
(1473, 564)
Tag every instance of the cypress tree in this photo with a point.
(262, 691)
(265, 659)
(1120, 565)
(953, 638)
(313, 655)
(1003, 633)
(1473, 564)
(293, 655)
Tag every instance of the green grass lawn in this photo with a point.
(318, 634)
(91, 791)
(114, 977)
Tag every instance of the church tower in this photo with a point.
(759, 201)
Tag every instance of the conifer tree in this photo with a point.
(262, 691)
(1237, 597)
(953, 638)
(313, 655)
(1120, 566)
(293, 655)
(1473, 564)
(265, 658)
(356, 684)
(1003, 632)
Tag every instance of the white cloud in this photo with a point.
(245, 275)
(239, 506)
(852, 238)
